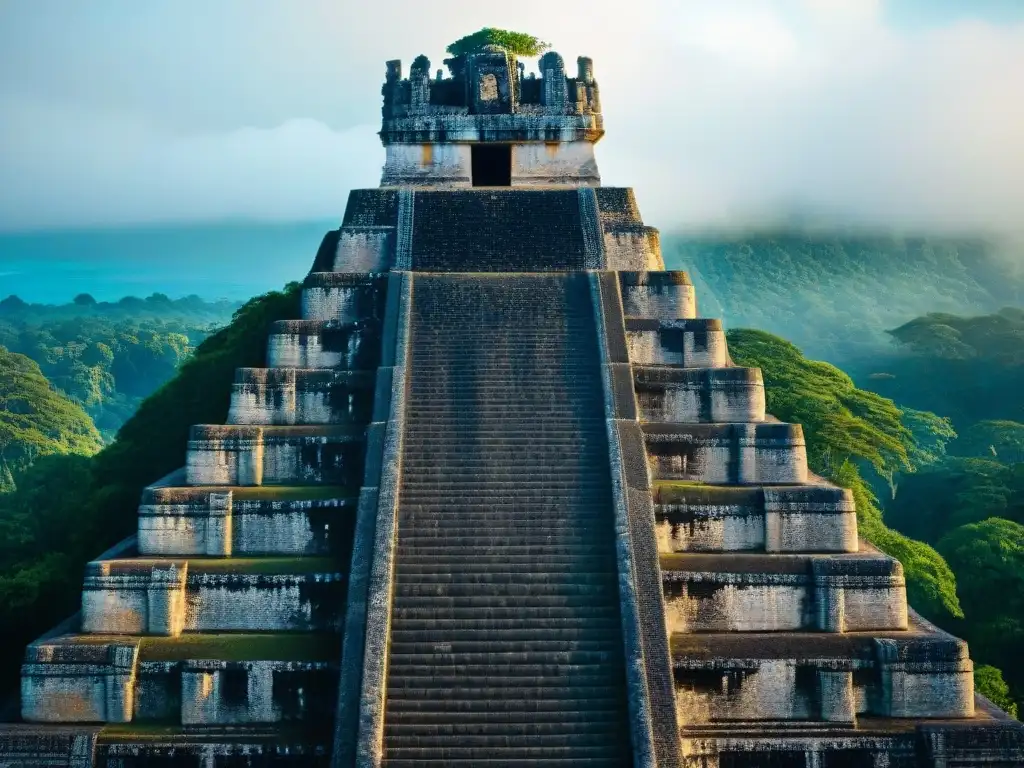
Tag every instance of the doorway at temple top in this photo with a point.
(492, 165)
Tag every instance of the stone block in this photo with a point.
(735, 454)
(214, 522)
(324, 344)
(658, 295)
(250, 456)
(432, 164)
(165, 597)
(237, 693)
(134, 597)
(699, 394)
(702, 518)
(345, 297)
(362, 249)
(286, 396)
(783, 593)
(79, 682)
(687, 343)
(634, 248)
(826, 678)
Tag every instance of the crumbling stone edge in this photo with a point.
(654, 731)
(359, 724)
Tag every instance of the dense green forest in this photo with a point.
(109, 356)
(67, 509)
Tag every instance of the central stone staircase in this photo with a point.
(506, 639)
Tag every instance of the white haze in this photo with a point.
(724, 113)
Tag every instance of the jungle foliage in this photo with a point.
(109, 356)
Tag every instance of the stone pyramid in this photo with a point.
(499, 498)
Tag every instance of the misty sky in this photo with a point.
(906, 113)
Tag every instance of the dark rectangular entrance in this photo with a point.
(492, 165)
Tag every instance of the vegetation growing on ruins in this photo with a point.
(516, 43)
(68, 509)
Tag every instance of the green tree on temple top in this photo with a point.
(516, 43)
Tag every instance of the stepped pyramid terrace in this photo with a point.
(498, 498)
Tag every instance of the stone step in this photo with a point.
(758, 593)
(506, 661)
(417, 535)
(690, 343)
(535, 563)
(446, 743)
(490, 725)
(489, 646)
(252, 455)
(703, 518)
(344, 297)
(324, 344)
(832, 677)
(467, 574)
(465, 679)
(177, 520)
(486, 593)
(508, 757)
(452, 634)
(457, 552)
(489, 621)
(440, 696)
(668, 394)
(666, 295)
(166, 596)
(286, 396)
(525, 611)
(733, 454)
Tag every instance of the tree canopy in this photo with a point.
(516, 43)
(35, 420)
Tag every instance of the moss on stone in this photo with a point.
(292, 492)
(247, 646)
(263, 565)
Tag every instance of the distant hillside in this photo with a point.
(835, 296)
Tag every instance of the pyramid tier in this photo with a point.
(344, 297)
(194, 680)
(723, 678)
(271, 455)
(731, 454)
(665, 295)
(353, 346)
(686, 343)
(691, 517)
(783, 593)
(262, 520)
(168, 596)
(691, 395)
(288, 396)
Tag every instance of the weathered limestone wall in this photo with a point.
(344, 297)
(768, 519)
(658, 295)
(323, 344)
(691, 395)
(429, 164)
(738, 454)
(685, 343)
(632, 248)
(738, 593)
(82, 683)
(247, 455)
(563, 163)
(200, 521)
(139, 597)
(362, 249)
(287, 396)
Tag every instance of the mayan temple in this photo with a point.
(498, 498)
